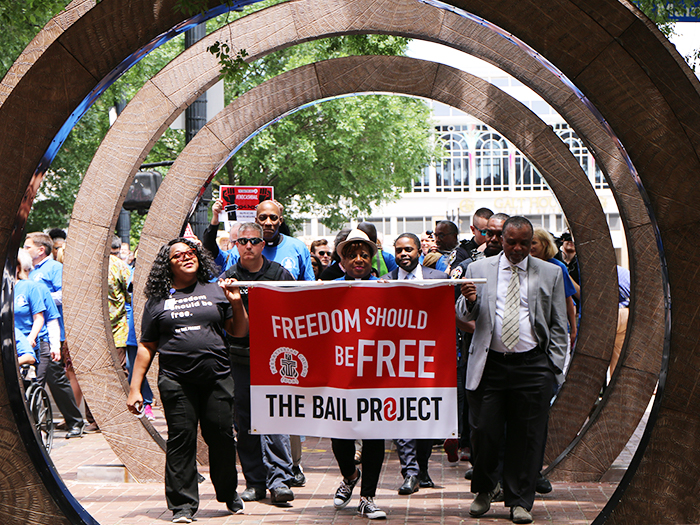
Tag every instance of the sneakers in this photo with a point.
(299, 480)
(451, 449)
(235, 506)
(148, 412)
(344, 492)
(482, 502)
(370, 510)
(183, 516)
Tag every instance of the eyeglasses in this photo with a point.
(322, 254)
(493, 233)
(483, 232)
(271, 216)
(183, 256)
(242, 241)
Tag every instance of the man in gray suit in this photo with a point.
(413, 453)
(518, 349)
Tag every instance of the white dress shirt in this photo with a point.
(417, 273)
(527, 341)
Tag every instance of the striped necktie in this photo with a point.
(510, 332)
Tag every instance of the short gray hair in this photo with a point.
(250, 226)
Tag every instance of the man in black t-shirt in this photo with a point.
(265, 460)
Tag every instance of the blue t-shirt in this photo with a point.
(28, 302)
(370, 278)
(51, 312)
(23, 346)
(569, 289)
(51, 273)
(290, 253)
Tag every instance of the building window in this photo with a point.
(526, 175)
(491, 163)
(599, 182)
(452, 171)
(422, 183)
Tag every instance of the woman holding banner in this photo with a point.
(356, 253)
(184, 321)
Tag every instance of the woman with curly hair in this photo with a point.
(184, 321)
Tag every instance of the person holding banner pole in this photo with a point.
(516, 354)
(413, 453)
(265, 460)
(356, 253)
(184, 321)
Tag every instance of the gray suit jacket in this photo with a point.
(428, 273)
(547, 306)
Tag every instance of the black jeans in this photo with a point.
(372, 459)
(210, 405)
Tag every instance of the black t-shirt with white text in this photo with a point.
(189, 330)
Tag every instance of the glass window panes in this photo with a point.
(491, 163)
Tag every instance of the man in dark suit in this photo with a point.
(517, 350)
(413, 453)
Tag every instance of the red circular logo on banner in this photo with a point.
(389, 409)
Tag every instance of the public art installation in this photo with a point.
(621, 87)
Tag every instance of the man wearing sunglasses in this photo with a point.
(322, 250)
(274, 472)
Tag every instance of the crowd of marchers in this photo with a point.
(515, 336)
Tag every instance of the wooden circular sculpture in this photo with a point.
(166, 95)
(625, 69)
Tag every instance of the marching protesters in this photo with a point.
(184, 321)
(413, 453)
(265, 460)
(356, 253)
(335, 269)
(320, 249)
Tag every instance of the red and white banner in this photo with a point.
(240, 201)
(354, 362)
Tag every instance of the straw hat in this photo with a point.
(355, 236)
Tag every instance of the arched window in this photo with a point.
(526, 175)
(491, 162)
(452, 172)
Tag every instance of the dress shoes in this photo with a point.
(299, 479)
(469, 473)
(281, 495)
(518, 514)
(76, 430)
(424, 480)
(482, 502)
(543, 486)
(253, 494)
(410, 485)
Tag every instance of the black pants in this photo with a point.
(372, 459)
(266, 460)
(210, 405)
(414, 455)
(54, 373)
(514, 395)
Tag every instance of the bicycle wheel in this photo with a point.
(40, 408)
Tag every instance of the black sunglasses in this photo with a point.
(323, 253)
(242, 241)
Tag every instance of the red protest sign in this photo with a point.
(240, 201)
(354, 362)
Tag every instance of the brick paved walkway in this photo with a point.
(448, 503)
